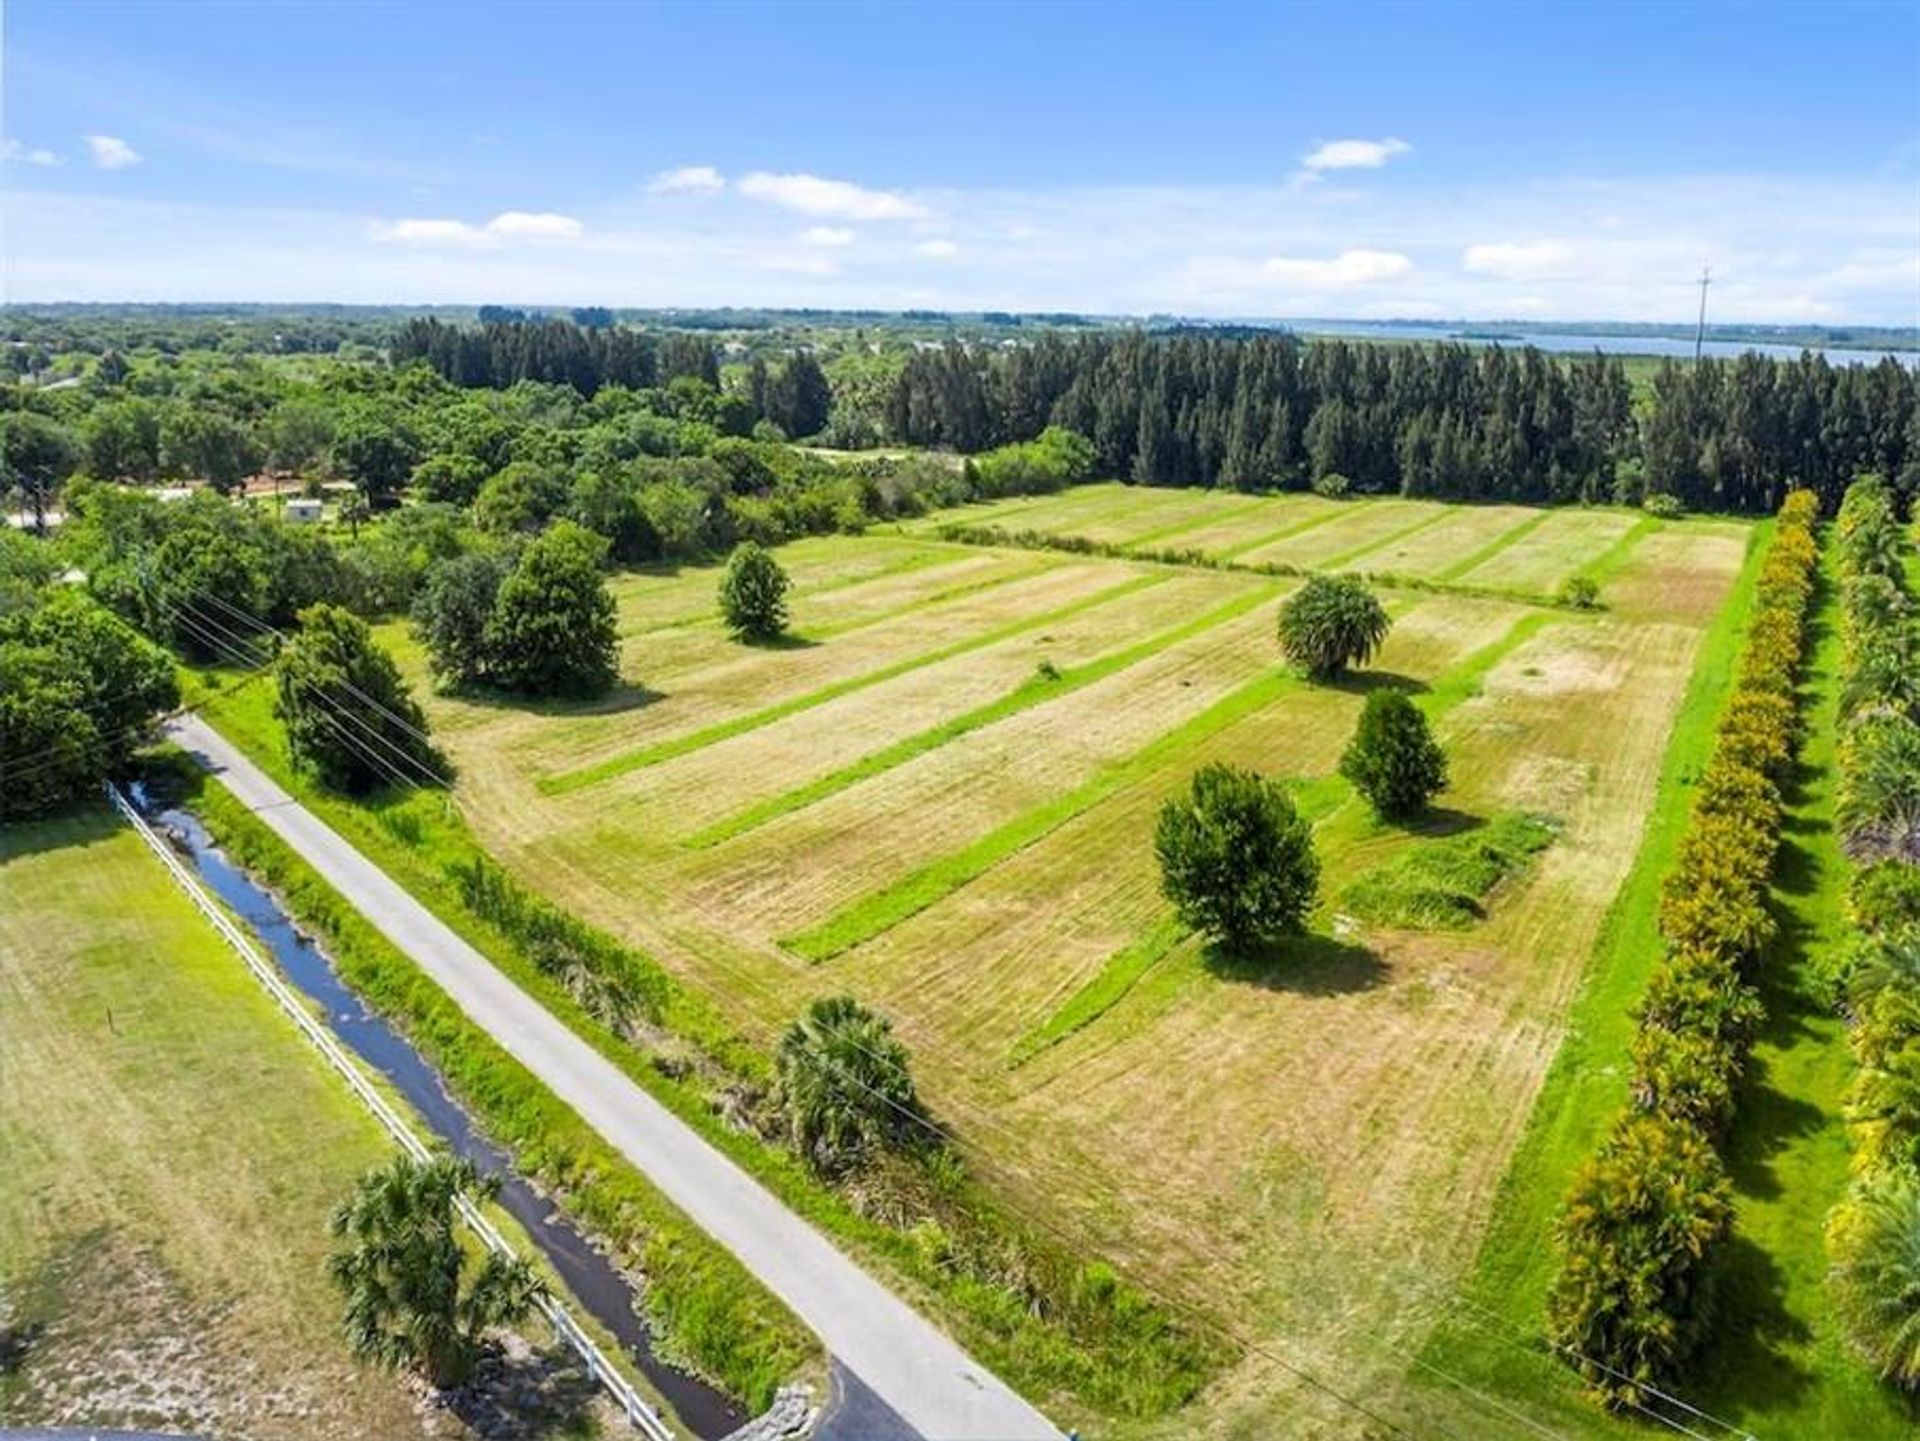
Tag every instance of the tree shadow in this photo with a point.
(786, 640)
(1308, 965)
(623, 697)
(539, 1393)
(80, 824)
(1365, 682)
(1439, 822)
(1753, 1324)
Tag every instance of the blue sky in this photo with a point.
(1545, 160)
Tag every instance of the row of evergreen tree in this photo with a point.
(1449, 420)
(556, 352)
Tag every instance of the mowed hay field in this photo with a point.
(902, 803)
(173, 1149)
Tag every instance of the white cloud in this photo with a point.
(430, 232)
(827, 236)
(688, 179)
(14, 153)
(1522, 260)
(1349, 267)
(507, 225)
(110, 152)
(531, 225)
(1352, 154)
(839, 199)
(937, 249)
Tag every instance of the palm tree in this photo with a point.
(1874, 1238)
(845, 1084)
(1878, 804)
(413, 1295)
(1330, 623)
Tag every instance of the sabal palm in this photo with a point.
(1878, 805)
(414, 1295)
(1875, 1242)
(845, 1084)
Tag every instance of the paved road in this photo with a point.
(909, 1365)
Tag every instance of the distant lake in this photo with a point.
(1583, 344)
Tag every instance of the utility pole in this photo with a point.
(1700, 329)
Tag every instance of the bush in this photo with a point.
(1393, 759)
(753, 594)
(1874, 1240)
(1666, 507)
(1330, 623)
(1640, 1227)
(1581, 592)
(1443, 885)
(846, 1087)
(1236, 859)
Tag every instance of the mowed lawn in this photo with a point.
(1526, 549)
(940, 796)
(172, 1151)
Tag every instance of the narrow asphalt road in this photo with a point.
(906, 1362)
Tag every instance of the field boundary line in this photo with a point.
(641, 1414)
(1288, 532)
(887, 907)
(1026, 696)
(1347, 557)
(1509, 537)
(561, 782)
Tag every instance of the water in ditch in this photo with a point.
(599, 1288)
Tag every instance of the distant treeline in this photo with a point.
(1433, 420)
(1270, 411)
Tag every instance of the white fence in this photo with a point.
(641, 1413)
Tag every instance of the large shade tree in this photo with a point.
(552, 631)
(349, 716)
(1236, 858)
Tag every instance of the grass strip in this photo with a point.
(1105, 989)
(1604, 566)
(1443, 885)
(1287, 532)
(1587, 1083)
(926, 602)
(564, 781)
(916, 559)
(1034, 691)
(1495, 546)
(1347, 557)
(886, 908)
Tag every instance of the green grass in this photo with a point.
(1086, 1355)
(564, 781)
(1443, 885)
(886, 908)
(702, 1304)
(1347, 557)
(1494, 547)
(1104, 990)
(1287, 532)
(1604, 566)
(1778, 1361)
(1034, 691)
(1587, 1082)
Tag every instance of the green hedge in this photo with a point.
(1644, 1218)
(1876, 1268)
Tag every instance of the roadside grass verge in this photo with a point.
(1586, 1085)
(705, 1307)
(1060, 1328)
(561, 782)
(1443, 885)
(886, 908)
(1036, 690)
